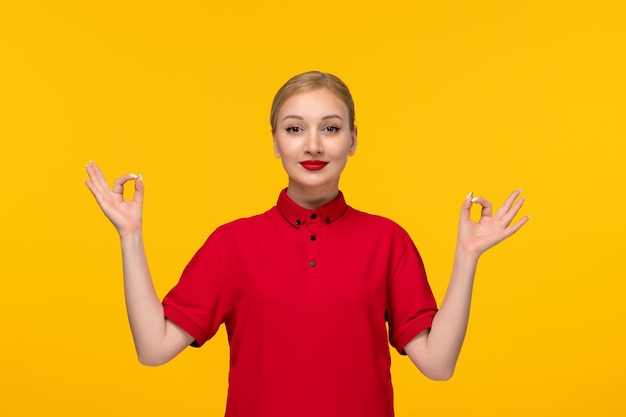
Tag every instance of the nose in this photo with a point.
(313, 144)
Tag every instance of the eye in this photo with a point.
(294, 129)
(331, 129)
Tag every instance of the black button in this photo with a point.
(297, 222)
(327, 219)
(313, 238)
(312, 263)
(313, 216)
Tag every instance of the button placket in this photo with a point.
(314, 226)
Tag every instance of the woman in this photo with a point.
(307, 288)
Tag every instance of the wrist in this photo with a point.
(130, 236)
(464, 256)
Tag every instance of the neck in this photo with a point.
(312, 198)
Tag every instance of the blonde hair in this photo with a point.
(308, 81)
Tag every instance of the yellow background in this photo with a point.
(451, 97)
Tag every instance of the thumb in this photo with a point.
(139, 189)
(466, 207)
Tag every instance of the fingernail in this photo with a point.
(473, 200)
(469, 195)
(133, 176)
(140, 177)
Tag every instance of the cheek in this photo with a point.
(280, 150)
(285, 149)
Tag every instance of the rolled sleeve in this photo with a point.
(200, 302)
(411, 304)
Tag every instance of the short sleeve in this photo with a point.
(411, 304)
(200, 302)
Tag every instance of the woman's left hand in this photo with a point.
(476, 237)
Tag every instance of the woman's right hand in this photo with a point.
(124, 214)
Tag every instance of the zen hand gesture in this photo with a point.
(124, 214)
(476, 237)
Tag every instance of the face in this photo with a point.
(313, 140)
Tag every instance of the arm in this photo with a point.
(435, 351)
(157, 340)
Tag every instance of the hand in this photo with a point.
(476, 237)
(124, 214)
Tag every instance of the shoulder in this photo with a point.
(236, 235)
(244, 225)
(376, 223)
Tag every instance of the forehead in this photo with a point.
(320, 101)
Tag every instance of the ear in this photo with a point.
(276, 150)
(352, 149)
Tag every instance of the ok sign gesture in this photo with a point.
(476, 237)
(124, 214)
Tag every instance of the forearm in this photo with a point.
(450, 323)
(436, 352)
(145, 311)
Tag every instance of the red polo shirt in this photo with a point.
(305, 296)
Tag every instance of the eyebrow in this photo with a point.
(330, 116)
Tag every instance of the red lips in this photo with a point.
(313, 165)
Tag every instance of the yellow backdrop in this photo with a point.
(451, 97)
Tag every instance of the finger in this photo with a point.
(94, 181)
(510, 215)
(506, 206)
(118, 184)
(511, 230)
(92, 188)
(103, 199)
(486, 206)
(97, 177)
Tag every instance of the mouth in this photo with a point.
(313, 165)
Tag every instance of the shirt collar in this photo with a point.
(297, 215)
